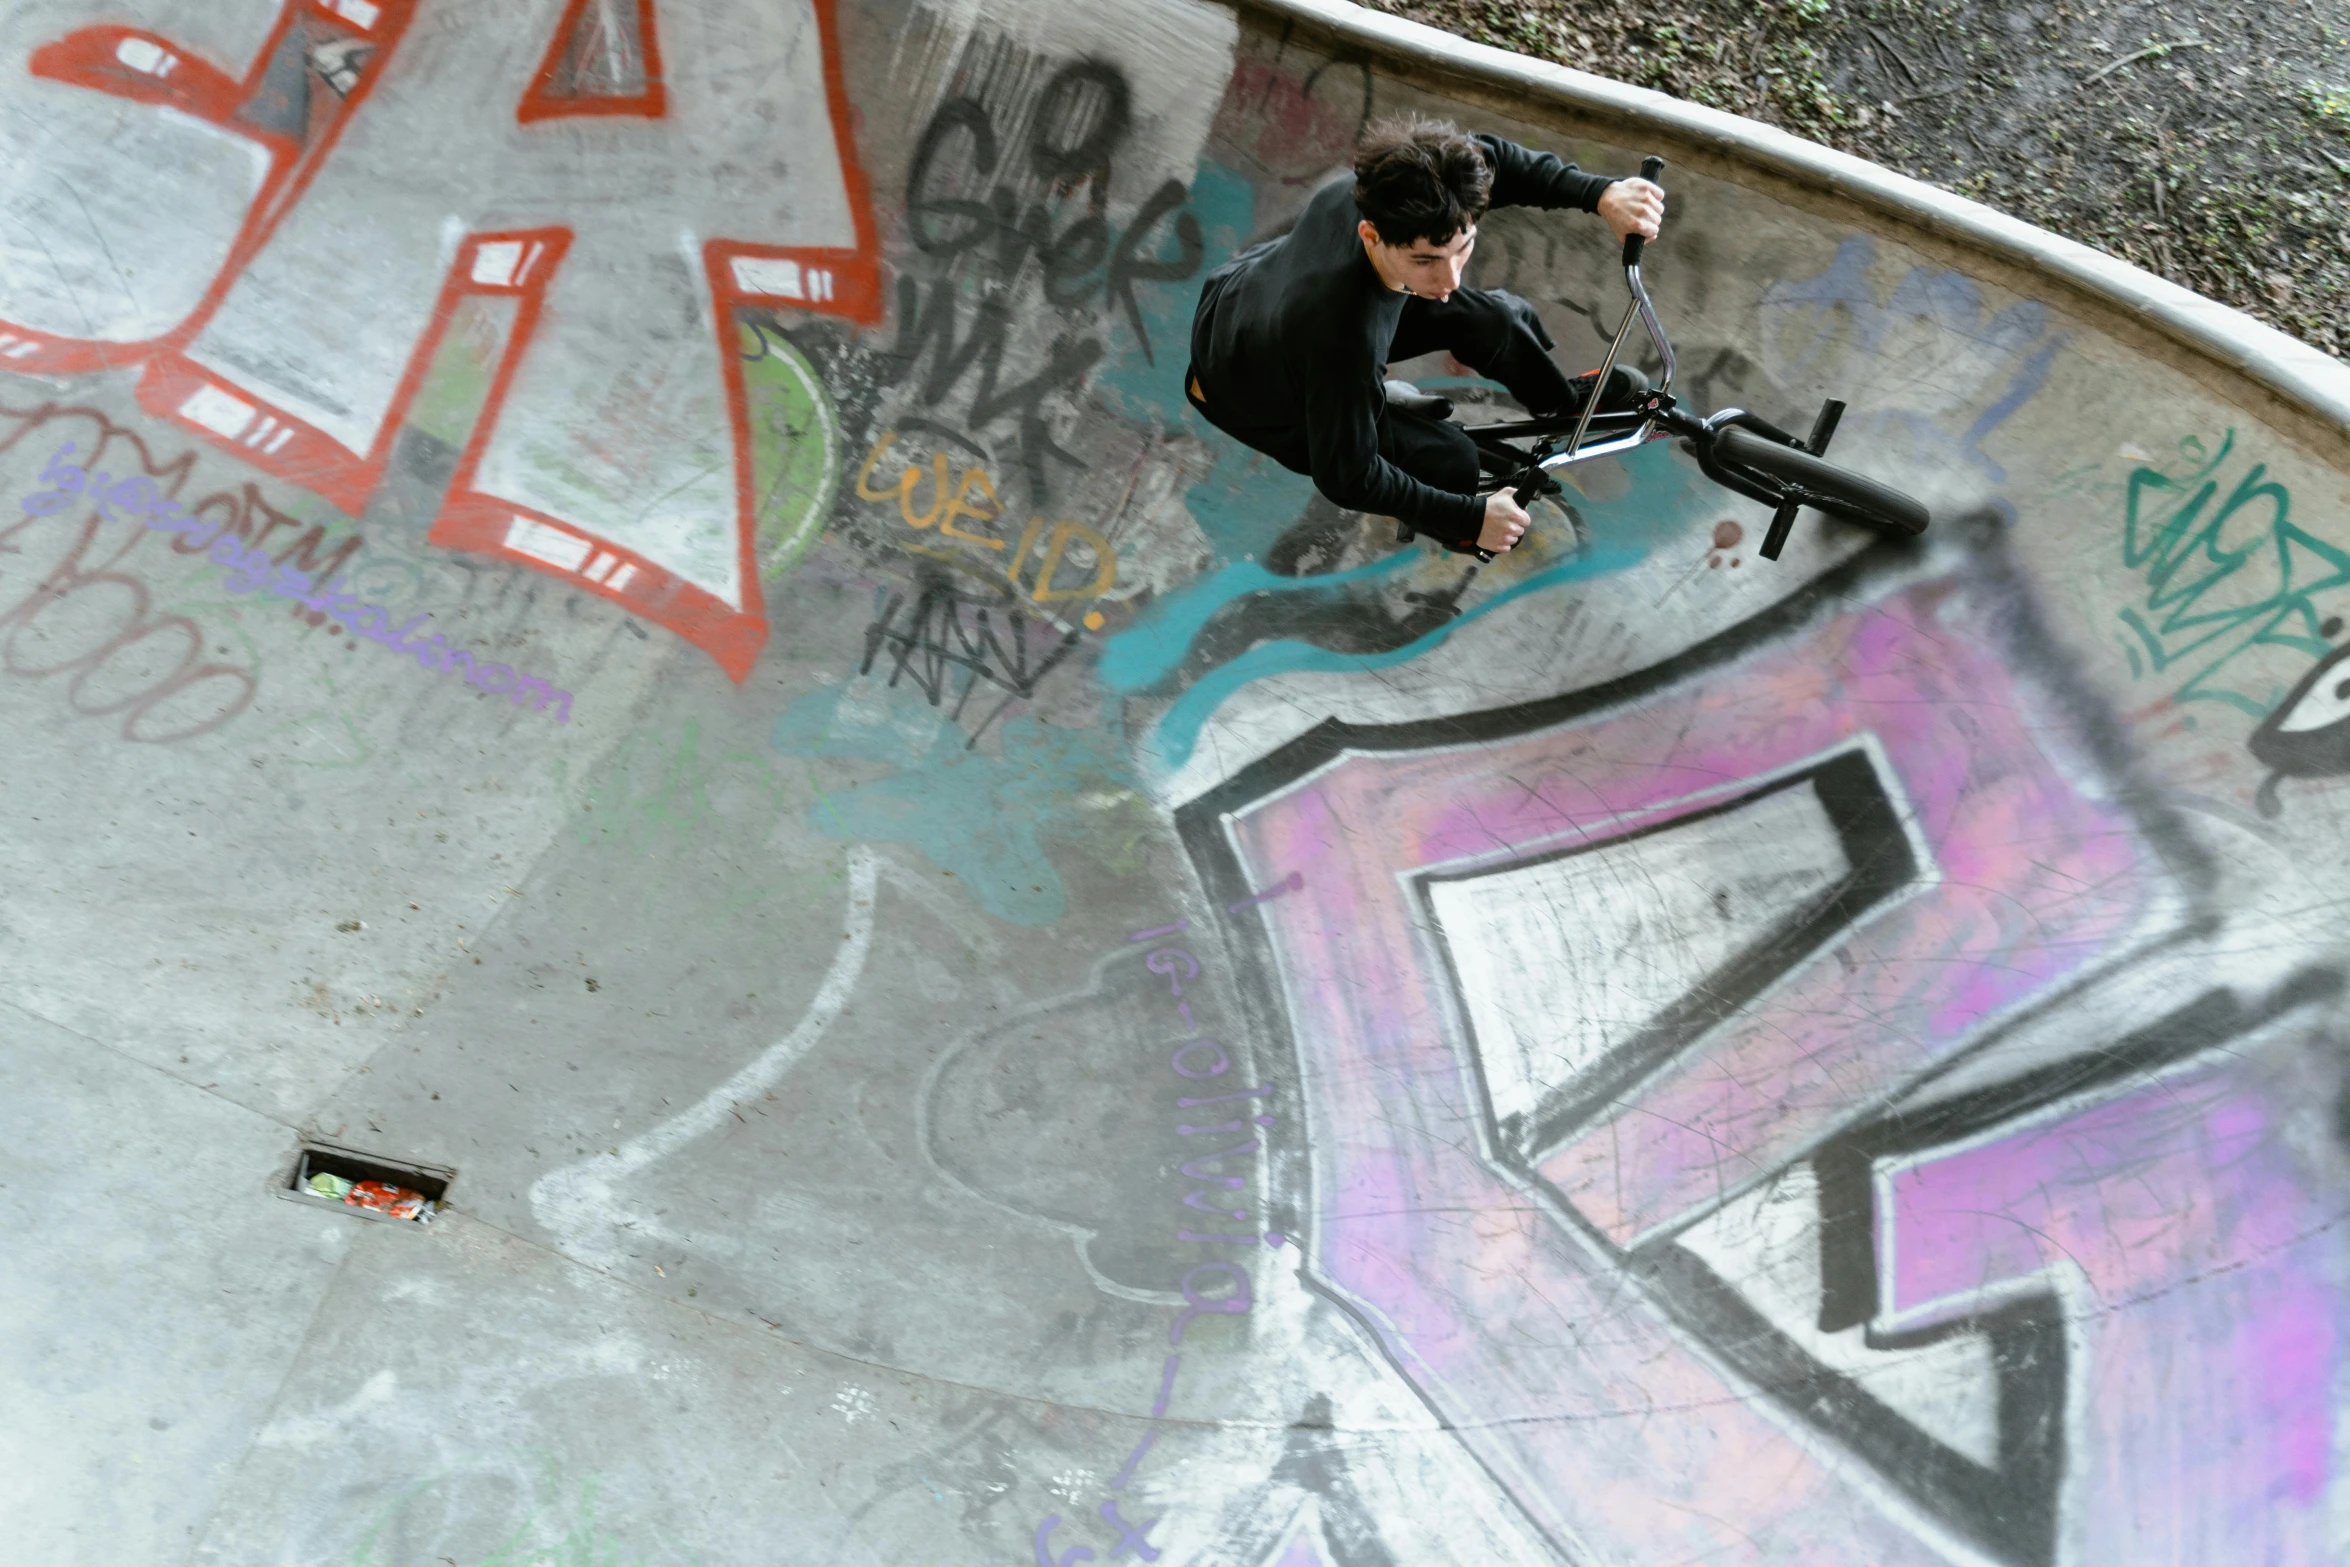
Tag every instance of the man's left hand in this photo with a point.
(1632, 207)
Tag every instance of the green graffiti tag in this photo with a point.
(558, 1528)
(667, 802)
(795, 433)
(2224, 577)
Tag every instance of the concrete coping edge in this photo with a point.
(2294, 370)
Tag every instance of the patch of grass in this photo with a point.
(2329, 106)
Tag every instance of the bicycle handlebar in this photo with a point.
(1650, 168)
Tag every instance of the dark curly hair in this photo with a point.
(1420, 179)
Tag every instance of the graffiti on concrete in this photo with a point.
(2308, 735)
(1771, 1088)
(985, 813)
(604, 420)
(73, 568)
(252, 568)
(603, 59)
(795, 443)
(2227, 572)
(1321, 603)
(2057, 1220)
(971, 497)
(1153, 1008)
(1931, 371)
(1090, 1138)
(947, 636)
(1296, 126)
(1727, 961)
(983, 199)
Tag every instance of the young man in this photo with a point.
(1291, 343)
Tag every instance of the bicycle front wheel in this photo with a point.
(1835, 490)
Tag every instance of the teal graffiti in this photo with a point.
(1224, 204)
(983, 817)
(1150, 649)
(2222, 577)
(1178, 732)
(1668, 499)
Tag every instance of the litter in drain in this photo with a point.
(366, 1185)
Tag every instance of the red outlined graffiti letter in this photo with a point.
(605, 59)
(312, 237)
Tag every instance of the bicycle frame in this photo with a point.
(1657, 416)
(1598, 432)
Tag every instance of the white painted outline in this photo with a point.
(1659, 817)
(1929, 875)
(1078, 1235)
(570, 1200)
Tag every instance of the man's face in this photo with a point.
(1422, 267)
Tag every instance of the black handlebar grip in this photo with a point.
(1650, 168)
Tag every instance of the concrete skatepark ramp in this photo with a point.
(619, 602)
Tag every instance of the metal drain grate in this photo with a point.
(366, 1184)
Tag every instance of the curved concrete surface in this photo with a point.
(1001, 984)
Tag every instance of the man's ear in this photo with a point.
(1368, 230)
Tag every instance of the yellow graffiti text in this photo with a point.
(932, 495)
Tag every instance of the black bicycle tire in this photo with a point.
(1836, 490)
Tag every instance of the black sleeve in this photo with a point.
(1523, 177)
(1342, 445)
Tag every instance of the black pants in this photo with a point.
(1497, 335)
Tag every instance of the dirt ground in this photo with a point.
(2208, 144)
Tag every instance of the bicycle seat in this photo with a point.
(1409, 398)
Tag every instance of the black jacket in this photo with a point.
(1290, 344)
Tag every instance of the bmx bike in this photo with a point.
(1740, 451)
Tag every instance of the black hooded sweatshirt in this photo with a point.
(1289, 346)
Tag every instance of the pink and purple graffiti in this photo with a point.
(1609, 1008)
